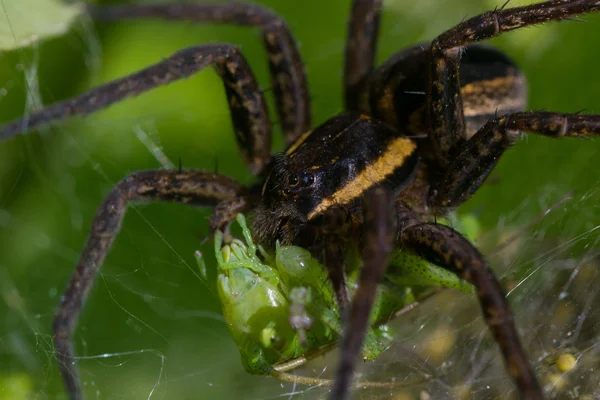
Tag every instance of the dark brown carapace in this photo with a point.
(330, 168)
(419, 136)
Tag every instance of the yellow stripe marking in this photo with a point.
(298, 142)
(394, 156)
(500, 94)
(499, 84)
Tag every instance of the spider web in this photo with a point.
(153, 329)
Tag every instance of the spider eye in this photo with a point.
(287, 192)
(293, 180)
(307, 179)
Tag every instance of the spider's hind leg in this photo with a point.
(445, 107)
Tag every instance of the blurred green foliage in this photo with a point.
(28, 21)
(150, 326)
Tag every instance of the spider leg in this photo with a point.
(445, 108)
(226, 211)
(187, 186)
(333, 258)
(246, 103)
(443, 246)
(361, 47)
(379, 235)
(287, 69)
(473, 161)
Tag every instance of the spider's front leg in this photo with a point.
(378, 241)
(192, 187)
(444, 103)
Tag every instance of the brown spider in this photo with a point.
(390, 153)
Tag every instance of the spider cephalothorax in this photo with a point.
(330, 168)
(419, 135)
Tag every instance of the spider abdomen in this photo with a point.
(490, 83)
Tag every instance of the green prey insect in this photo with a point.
(281, 310)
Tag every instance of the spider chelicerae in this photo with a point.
(391, 154)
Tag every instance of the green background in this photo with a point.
(150, 320)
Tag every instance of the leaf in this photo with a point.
(23, 22)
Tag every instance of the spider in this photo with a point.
(376, 176)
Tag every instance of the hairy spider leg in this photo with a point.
(379, 238)
(333, 259)
(191, 187)
(361, 48)
(473, 161)
(447, 248)
(288, 79)
(226, 211)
